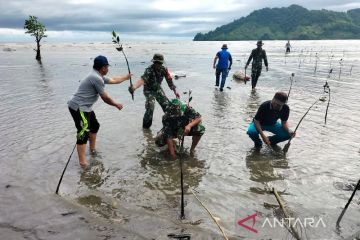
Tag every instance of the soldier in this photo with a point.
(151, 79)
(180, 119)
(223, 66)
(257, 54)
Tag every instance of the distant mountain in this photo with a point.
(293, 22)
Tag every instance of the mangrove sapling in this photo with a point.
(316, 62)
(63, 172)
(116, 40)
(287, 145)
(347, 205)
(327, 90)
(291, 83)
(340, 67)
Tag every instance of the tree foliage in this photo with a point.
(36, 29)
(293, 22)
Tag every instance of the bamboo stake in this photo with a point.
(293, 230)
(212, 216)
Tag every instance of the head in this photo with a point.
(259, 44)
(158, 60)
(224, 46)
(176, 108)
(279, 100)
(101, 65)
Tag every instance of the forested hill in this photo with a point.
(293, 22)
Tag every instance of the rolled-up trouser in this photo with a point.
(279, 132)
(165, 133)
(85, 122)
(224, 73)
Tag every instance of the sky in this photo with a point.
(93, 20)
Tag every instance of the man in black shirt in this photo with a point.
(257, 55)
(266, 120)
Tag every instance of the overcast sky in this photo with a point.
(147, 19)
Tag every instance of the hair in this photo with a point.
(97, 67)
(281, 96)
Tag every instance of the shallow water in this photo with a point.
(134, 188)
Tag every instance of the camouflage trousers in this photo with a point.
(165, 133)
(255, 74)
(151, 96)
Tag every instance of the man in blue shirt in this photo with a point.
(222, 67)
(266, 120)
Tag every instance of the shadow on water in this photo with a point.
(165, 173)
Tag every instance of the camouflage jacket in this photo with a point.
(258, 55)
(153, 79)
(174, 125)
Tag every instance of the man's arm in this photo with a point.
(188, 127)
(266, 61)
(170, 83)
(119, 79)
(231, 61)
(249, 60)
(260, 131)
(106, 98)
(285, 125)
(215, 59)
(136, 85)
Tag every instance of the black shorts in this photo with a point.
(85, 122)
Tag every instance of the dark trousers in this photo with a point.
(85, 122)
(255, 74)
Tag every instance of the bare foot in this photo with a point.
(83, 164)
(192, 152)
(93, 152)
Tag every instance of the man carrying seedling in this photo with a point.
(266, 120)
(257, 55)
(180, 119)
(152, 79)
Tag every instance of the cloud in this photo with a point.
(143, 17)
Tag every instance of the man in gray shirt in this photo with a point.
(80, 106)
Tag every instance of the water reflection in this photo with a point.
(220, 104)
(165, 173)
(262, 166)
(252, 105)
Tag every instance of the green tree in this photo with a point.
(36, 29)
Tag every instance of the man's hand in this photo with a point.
(119, 106)
(187, 130)
(128, 76)
(177, 94)
(292, 134)
(131, 89)
(265, 139)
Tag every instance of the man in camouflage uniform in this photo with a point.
(152, 79)
(180, 119)
(257, 54)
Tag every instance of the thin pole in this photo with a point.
(127, 63)
(286, 147)
(58, 186)
(347, 205)
(182, 215)
(212, 216)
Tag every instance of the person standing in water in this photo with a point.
(288, 46)
(223, 66)
(257, 55)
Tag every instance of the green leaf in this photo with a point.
(114, 34)
(118, 39)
